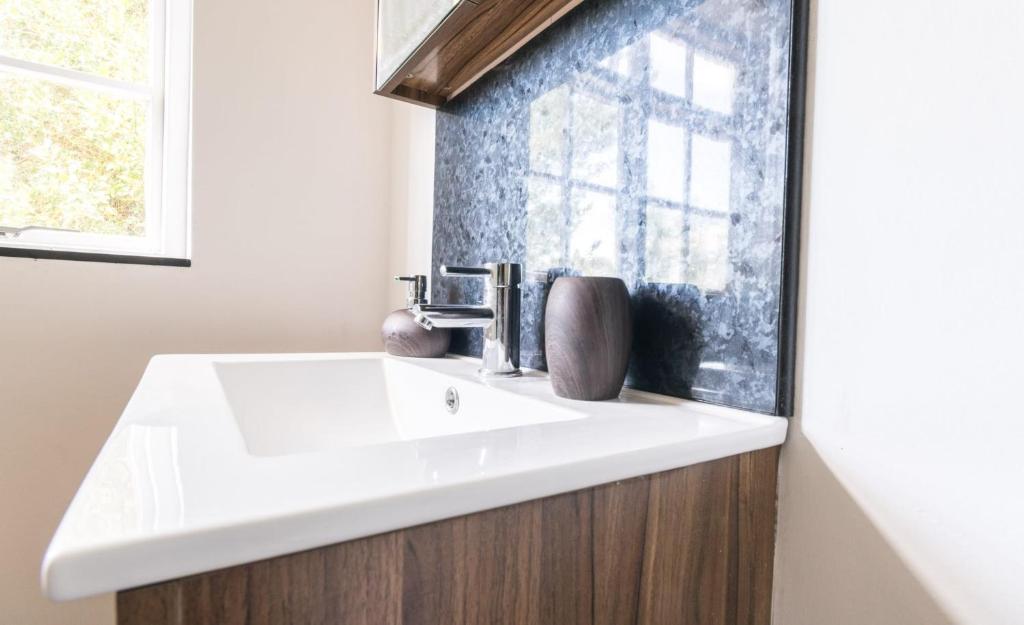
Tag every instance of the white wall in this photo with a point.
(291, 215)
(901, 493)
(412, 194)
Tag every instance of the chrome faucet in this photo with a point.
(499, 315)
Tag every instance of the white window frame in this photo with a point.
(167, 178)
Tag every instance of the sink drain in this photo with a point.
(451, 400)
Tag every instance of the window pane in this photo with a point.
(70, 158)
(545, 224)
(663, 252)
(620, 62)
(668, 65)
(595, 141)
(666, 161)
(708, 264)
(711, 173)
(105, 37)
(714, 83)
(593, 244)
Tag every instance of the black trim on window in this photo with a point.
(93, 257)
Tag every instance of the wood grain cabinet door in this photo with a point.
(692, 546)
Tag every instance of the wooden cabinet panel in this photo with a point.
(756, 497)
(475, 36)
(620, 529)
(689, 546)
(431, 553)
(566, 586)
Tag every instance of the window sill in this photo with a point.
(93, 257)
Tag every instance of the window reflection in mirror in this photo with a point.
(609, 180)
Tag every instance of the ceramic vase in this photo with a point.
(588, 334)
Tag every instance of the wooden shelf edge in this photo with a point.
(463, 70)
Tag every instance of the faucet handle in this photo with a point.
(499, 274)
(465, 272)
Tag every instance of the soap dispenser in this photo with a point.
(403, 336)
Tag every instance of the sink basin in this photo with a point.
(289, 407)
(219, 460)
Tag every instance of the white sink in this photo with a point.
(289, 407)
(224, 459)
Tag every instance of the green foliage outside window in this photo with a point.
(74, 157)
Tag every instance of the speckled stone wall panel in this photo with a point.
(645, 139)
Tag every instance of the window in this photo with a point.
(573, 182)
(95, 99)
(650, 135)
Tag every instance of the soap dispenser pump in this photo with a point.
(403, 336)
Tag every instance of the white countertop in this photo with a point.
(179, 489)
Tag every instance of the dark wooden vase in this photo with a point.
(588, 333)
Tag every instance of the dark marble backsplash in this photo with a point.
(645, 139)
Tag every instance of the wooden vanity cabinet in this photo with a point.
(429, 51)
(691, 546)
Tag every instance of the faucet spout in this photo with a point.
(498, 316)
(429, 316)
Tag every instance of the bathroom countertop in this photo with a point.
(177, 489)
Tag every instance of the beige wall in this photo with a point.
(291, 216)
(901, 480)
(412, 195)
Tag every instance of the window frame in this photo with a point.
(167, 177)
